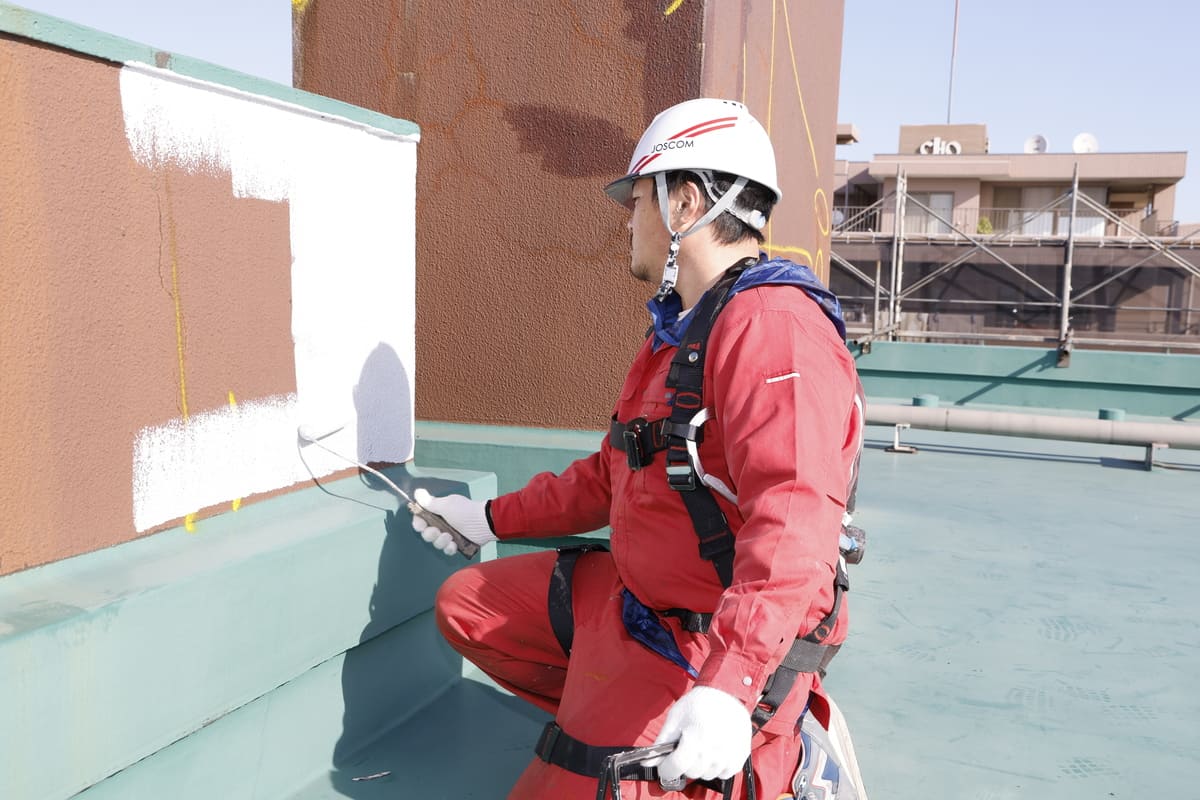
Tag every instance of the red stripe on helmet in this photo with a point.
(641, 164)
(695, 129)
(710, 130)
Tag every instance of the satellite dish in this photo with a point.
(1036, 144)
(1085, 143)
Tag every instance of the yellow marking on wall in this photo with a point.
(821, 209)
(189, 521)
(799, 94)
(784, 248)
(821, 203)
(237, 501)
(299, 5)
(173, 249)
(671, 9)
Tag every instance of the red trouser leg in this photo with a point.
(494, 614)
(616, 692)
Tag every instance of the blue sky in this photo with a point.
(253, 36)
(1125, 72)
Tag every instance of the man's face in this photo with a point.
(649, 240)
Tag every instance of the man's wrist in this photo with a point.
(739, 677)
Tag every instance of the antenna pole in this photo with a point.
(953, 53)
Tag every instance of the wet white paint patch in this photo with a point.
(351, 195)
(214, 457)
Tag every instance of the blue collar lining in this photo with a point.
(669, 328)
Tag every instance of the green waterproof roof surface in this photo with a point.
(27, 24)
(1025, 621)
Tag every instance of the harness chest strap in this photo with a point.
(639, 439)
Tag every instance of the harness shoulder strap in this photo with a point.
(685, 381)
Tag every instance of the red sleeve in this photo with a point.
(783, 389)
(577, 501)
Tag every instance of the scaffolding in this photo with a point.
(1070, 273)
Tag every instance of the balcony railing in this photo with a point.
(1016, 222)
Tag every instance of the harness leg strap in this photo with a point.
(558, 602)
(608, 764)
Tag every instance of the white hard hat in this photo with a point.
(705, 134)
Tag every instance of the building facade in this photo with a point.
(1078, 248)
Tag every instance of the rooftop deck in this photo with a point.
(1024, 624)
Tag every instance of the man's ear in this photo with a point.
(687, 205)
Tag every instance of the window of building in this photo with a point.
(921, 222)
(1088, 221)
(1036, 219)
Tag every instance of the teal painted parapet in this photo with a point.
(276, 642)
(43, 28)
(1143, 384)
(514, 454)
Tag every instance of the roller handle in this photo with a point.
(465, 545)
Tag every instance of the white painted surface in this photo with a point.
(351, 191)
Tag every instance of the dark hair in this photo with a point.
(726, 228)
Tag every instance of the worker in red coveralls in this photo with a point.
(680, 632)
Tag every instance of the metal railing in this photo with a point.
(1144, 293)
(1031, 222)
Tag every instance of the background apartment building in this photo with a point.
(1079, 247)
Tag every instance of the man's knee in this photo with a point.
(454, 603)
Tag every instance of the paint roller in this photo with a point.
(309, 434)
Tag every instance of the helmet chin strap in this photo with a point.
(671, 268)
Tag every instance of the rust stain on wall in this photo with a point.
(526, 313)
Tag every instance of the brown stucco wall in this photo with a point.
(526, 314)
(129, 298)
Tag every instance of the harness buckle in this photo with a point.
(681, 478)
(635, 452)
(547, 741)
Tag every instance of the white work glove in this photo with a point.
(465, 514)
(713, 730)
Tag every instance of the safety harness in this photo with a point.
(678, 435)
